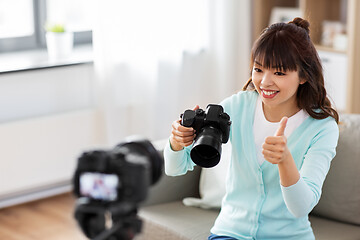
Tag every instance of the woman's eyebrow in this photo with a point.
(281, 67)
(258, 63)
(273, 67)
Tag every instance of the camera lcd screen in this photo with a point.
(99, 186)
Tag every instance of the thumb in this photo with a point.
(196, 107)
(280, 131)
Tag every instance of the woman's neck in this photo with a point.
(275, 114)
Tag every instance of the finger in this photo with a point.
(273, 147)
(182, 133)
(180, 139)
(271, 156)
(179, 145)
(178, 132)
(269, 153)
(281, 140)
(188, 143)
(281, 130)
(183, 144)
(272, 160)
(176, 125)
(196, 107)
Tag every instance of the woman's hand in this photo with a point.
(275, 148)
(276, 151)
(181, 136)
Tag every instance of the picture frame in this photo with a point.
(284, 14)
(333, 34)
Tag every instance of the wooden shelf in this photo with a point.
(329, 49)
(262, 12)
(318, 11)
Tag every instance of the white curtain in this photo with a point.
(155, 59)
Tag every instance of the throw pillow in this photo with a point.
(340, 199)
(212, 183)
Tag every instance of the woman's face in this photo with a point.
(277, 88)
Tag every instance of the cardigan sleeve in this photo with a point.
(177, 162)
(298, 198)
(302, 197)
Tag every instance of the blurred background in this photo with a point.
(83, 74)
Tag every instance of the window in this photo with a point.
(14, 21)
(77, 15)
(17, 28)
(22, 21)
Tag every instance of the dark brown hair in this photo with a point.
(288, 47)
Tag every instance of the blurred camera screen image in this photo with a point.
(99, 186)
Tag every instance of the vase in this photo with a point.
(59, 45)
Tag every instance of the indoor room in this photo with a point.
(179, 119)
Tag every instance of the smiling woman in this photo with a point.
(276, 176)
(278, 90)
(287, 53)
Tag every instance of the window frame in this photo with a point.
(37, 39)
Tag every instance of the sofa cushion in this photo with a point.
(340, 199)
(176, 222)
(212, 183)
(325, 229)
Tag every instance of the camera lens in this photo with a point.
(206, 151)
(144, 148)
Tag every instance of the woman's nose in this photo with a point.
(266, 80)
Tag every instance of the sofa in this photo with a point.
(336, 217)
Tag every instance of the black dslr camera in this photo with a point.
(212, 128)
(110, 185)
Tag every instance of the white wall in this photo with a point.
(27, 94)
(47, 120)
(335, 77)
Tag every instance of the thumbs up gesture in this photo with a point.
(275, 148)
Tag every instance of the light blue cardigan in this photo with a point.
(254, 207)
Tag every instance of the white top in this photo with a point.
(297, 197)
(263, 128)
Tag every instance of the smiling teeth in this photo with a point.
(268, 92)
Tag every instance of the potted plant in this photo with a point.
(59, 42)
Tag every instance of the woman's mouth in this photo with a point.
(268, 93)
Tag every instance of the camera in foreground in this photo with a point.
(111, 184)
(212, 128)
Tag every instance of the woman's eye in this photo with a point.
(279, 73)
(257, 70)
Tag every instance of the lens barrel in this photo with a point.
(206, 150)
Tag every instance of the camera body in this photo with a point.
(115, 181)
(212, 128)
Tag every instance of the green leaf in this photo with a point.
(58, 28)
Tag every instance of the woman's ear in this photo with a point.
(303, 80)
